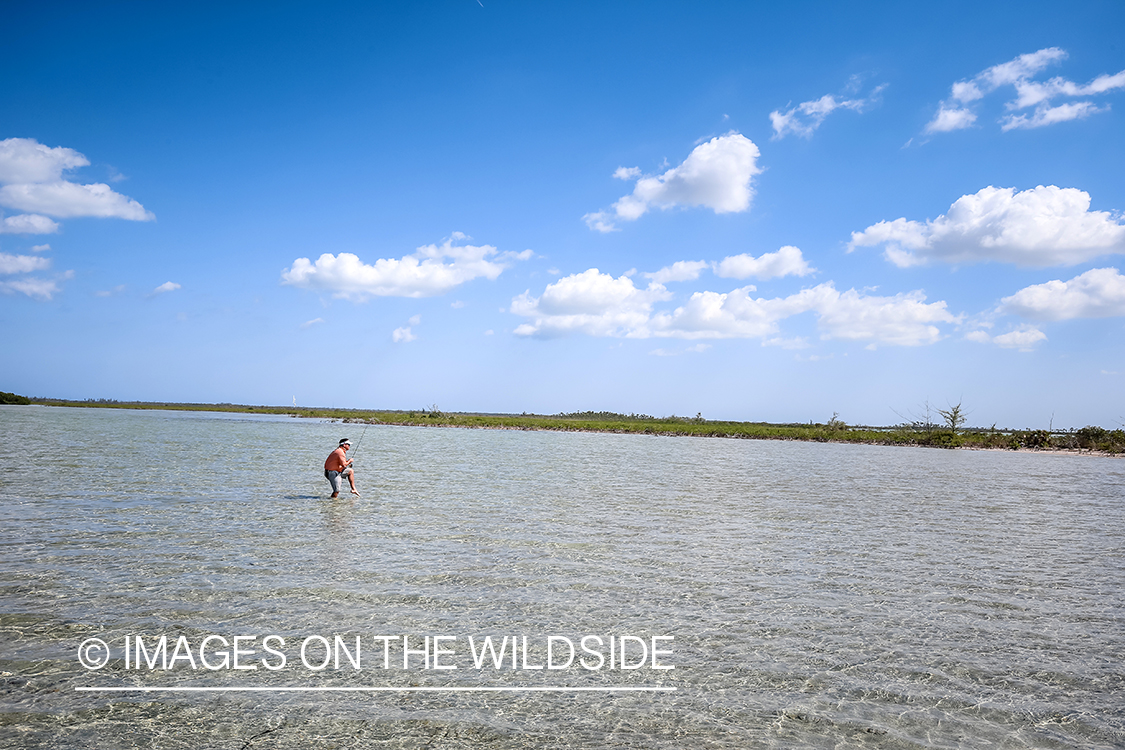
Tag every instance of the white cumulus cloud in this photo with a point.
(902, 320)
(590, 302)
(787, 261)
(716, 175)
(1098, 293)
(31, 179)
(1044, 226)
(428, 271)
(951, 118)
(403, 335)
(22, 263)
(681, 270)
(67, 200)
(167, 286)
(1023, 339)
(24, 160)
(956, 113)
(28, 224)
(735, 314)
(597, 304)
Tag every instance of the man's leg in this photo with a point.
(351, 479)
(334, 480)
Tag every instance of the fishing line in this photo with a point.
(359, 442)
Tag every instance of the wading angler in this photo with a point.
(339, 465)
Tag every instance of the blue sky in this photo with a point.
(754, 211)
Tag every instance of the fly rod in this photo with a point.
(359, 442)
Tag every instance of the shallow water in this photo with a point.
(819, 595)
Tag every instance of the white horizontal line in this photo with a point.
(415, 689)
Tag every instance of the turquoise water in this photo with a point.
(818, 595)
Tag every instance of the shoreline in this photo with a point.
(1089, 441)
(838, 441)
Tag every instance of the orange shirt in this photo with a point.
(336, 460)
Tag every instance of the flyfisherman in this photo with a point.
(337, 465)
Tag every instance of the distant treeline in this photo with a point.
(11, 398)
(913, 433)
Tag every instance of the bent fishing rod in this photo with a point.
(359, 442)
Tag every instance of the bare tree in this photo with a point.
(922, 422)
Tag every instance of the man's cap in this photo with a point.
(345, 441)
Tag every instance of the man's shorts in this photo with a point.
(333, 478)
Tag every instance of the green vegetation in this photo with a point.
(11, 398)
(110, 403)
(954, 417)
(953, 434)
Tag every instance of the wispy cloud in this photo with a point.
(167, 286)
(959, 110)
(32, 286)
(806, 117)
(405, 334)
(694, 349)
